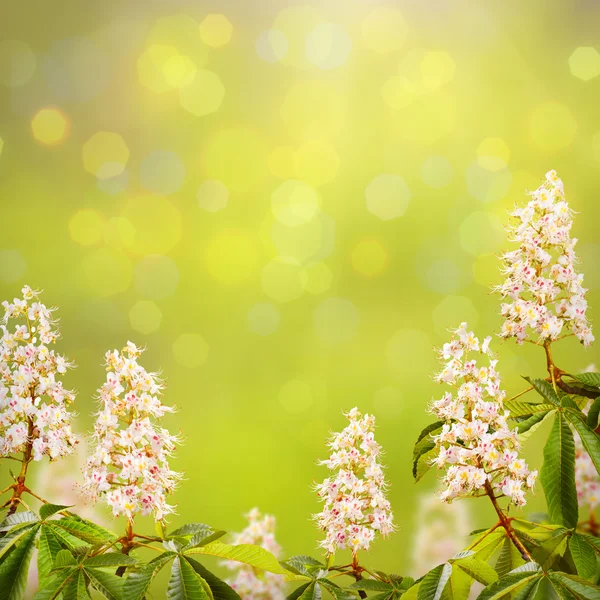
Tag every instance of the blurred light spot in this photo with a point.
(156, 222)
(272, 46)
(369, 258)
(328, 46)
(590, 257)
(398, 93)
(493, 154)
(387, 402)
(105, 155)
(486, 270)
(263, 319)
(231, 257)
(387, 196)
(443, 276)
(437, 172)
(336, 320)
(212, 195)
(482, 233)
(182, 32)
(107, 271)
(162, 172)
(316, 162)
(190, 350)
(237, 157)
(410, 352)
(17, 63)
(145, 317)
(295, 203)
(317, 278)
(584, 63)
(119, 233)
(313, 110)
(161, 68)
(282, 279)
(156, 277)
(428, 119)
(86, 226)
(114, 185)
(203, 95)
(595, 146)
(281, 162)
(552, 127)
(296, 23)
(437, 69)
(50, 126)
(451, 312)
(75, 69)
(487, 185)
(308, 242)
(12, 266)
(296, 396)
(216, 30)
(384, 30)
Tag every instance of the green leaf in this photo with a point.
(519, 409)
(85, 530)
(477, 570)
(489, 544)
(191, 529)
(509, 584)
(76, 589)
(590, 379)
(371, 585)
(508, 559)
(583, 556)
(249, 554)
(109, 559)
(13, 570)
(423, 463)
(312, 592)
(64, 537)
(64, 559)
(545, 390)
(54, 585)
(303, 565)
(580, 588)
(200, 539)
(48, 548)
(185, 583)
(423, 450)
(18, 518)
(593, 413)
(526, 424)
(335, 590)
(13, 536)
(220, 590)
(47, 510)
(558, 474)
(297, 593)
(108, 584)
(433, 584)
(589, 438)
(137, 583)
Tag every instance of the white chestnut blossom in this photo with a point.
(247, 582)
(129, 466)
(442, 531)
(476, 446)
(544, 292)
(356, 507)
(34, 416)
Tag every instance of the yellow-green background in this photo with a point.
(469, 103)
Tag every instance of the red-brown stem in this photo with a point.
(505, 522)
(357, 573)
(19, 486)
(127, 544)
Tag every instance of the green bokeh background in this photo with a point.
(464, 104)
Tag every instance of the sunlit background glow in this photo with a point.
(289, 204)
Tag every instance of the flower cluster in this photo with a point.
(476, 445)
(249, 584)
(443, 530)
(356, 507)
(129, 465)
(33, 403)
(586, 477)
(544, 291)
